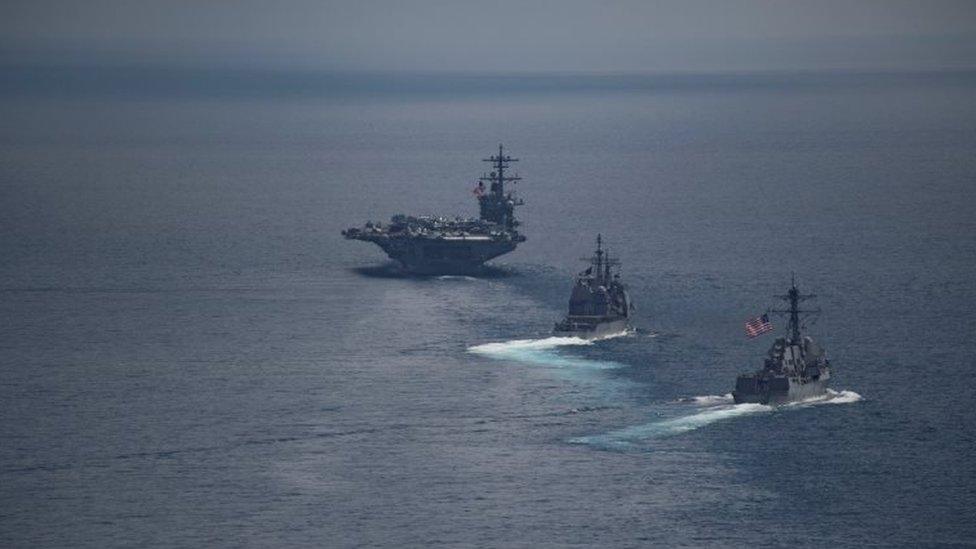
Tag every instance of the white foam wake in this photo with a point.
(623, 333)
(541, 351)
(830, 397)
(627, 436)
(708, 400)
(524, 344)
(714, 408)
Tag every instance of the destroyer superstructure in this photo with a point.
(598, 305)
(440, 245)
(795, 368)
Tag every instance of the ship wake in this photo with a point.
(710, 409)
(460, 278)
(830, 397)
(544, 352)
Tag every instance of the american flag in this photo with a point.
(758, 326)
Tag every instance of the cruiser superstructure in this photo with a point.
(440, 245)
(795, 368)
(598, 305)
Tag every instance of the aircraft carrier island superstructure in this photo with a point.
(453, 246)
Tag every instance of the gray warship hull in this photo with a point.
(599, 306)
(443, 256)
(434, 245)
(591, 329)
(796, 367)
(778, 390)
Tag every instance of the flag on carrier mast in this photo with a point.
(758, 326)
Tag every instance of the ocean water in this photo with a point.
(191, 355)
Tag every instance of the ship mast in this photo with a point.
(498, 178)
(600, 262)
(496, 206)
(794, 297)
(599, 257)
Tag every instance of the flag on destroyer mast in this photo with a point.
(758, 326)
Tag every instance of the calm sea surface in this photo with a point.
(191, 355)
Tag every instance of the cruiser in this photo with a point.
(431, 245)
(599, 305)
(796, 368)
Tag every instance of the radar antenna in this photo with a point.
(498, 178)
(600, 262)
(496, 206)
(794, 298)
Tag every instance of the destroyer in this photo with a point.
(438, 245)
(796, 368)
(599, 305)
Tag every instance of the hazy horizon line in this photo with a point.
(168, 81)
(9, 61)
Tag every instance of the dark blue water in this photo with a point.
(191, 355)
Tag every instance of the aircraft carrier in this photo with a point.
(430, 245)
